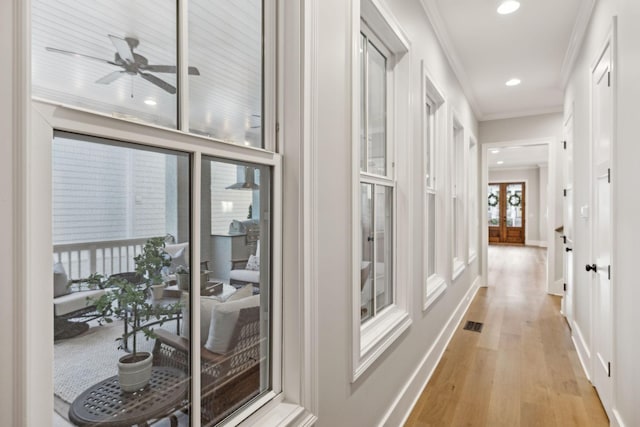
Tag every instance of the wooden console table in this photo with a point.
(105, 405)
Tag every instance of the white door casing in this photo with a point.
(568, 298)
(601, 285)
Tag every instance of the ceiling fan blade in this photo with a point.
(123, 48)
(158, 82)
(79, 55)
(111, 77)
(170, 69)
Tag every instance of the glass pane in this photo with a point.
(384, 252)
(455, 229)
(112, 56)
(428, 143)
(121, 232)
(363, 104)
(514, 205)
(377, 111)
(367, 267)
(431, 234)
(225, 44)
(493, 205)
(235, 285)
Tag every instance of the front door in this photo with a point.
(600, 267)
(506, 212)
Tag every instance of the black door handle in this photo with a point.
(369, 239)
(591, 267)
(568, 249)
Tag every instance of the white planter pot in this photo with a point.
(157, 291)
(134, 375)
(183, 281)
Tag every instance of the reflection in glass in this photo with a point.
(120, 232)
(110, 56)
(514, 205)
(235, 285)
(363, 105)
(377, 114)
(367, 266)
(493, 205)
(225, 42)
(429, 119)
(431, 234)
(383, 241)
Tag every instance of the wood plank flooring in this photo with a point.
(522, 369)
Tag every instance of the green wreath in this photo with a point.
(493, 200)
(517, 201)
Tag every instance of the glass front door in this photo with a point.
(506, 212)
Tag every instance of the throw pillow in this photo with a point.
(206, 309)
(245, 291)
(223, 322)
(60, 280)
(253, 263)
(177, 260)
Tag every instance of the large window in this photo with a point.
(432, 143)
(473, 190)
(376, 180)
(458, 173)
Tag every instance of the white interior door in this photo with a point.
(601, 233)
(567, 214)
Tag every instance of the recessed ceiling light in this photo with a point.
(150, 101)
(513, 82)
(500, 162)
(508, 6)
(495, 151)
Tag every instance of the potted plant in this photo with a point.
(128, 301)
(182, 278)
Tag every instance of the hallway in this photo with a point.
(522, 369)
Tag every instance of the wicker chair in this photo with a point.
(227, 380)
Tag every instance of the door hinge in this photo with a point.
(565, 287)
(609, 369)
(564, 239)
(564, 192)
(609, 272)
(609, 175)
(564, 144)
(609, 79)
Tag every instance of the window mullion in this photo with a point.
(374, 279)
(194, 309)
(183, 65)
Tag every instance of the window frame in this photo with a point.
(458, 173)
(433, 133)
(472, 196)
(372, 338)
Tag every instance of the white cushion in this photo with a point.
(223, 322)
(60, 280)
(75, 301)
(177, 257)
(206, 309)
(253, 263)
(250, 276)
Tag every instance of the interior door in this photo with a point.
(506, 212)
(601, 233)
(567, 213)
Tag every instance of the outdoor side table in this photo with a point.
(105, 405)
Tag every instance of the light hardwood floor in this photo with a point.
(522, 369)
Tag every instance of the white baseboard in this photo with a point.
(584, 354)
(539, 243)
(402, 406)
(616, 421)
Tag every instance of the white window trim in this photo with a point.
(472, 195)
(436, 284)
(371, 339)
(458, 173)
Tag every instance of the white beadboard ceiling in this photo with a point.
(518, 157)
(536, 44)
(225, 45)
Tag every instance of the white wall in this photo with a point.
(7, 252)
(626, 376)
(367, 401)
(519, 128)
(531, 196)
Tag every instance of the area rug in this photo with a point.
(86, 359)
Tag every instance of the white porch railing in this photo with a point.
(106, 257)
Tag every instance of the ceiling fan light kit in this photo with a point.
(131, 63)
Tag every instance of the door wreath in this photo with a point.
(493, 200)
(514, 200)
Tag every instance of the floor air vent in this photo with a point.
(473, 326)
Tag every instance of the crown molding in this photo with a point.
(523, 113)
(439, 27)
(577, 36)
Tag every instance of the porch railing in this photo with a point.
(105, 257)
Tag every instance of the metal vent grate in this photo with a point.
(473, 326)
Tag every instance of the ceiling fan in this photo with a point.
(131, 62)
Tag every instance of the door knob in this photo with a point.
(568, 249)
(591, 267)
